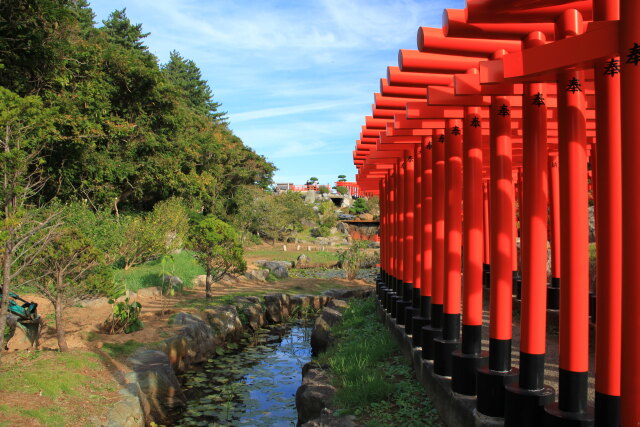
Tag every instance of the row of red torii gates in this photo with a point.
(515, 109)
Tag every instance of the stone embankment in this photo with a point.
(153, 391)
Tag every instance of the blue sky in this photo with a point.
(296, 77)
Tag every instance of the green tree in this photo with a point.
(120, 30)
(326, 219)
(131, 133)
(295, 213)
(186, 76)
(342, 190)
(62, 268)
(273, 219)
(274, 216)
(155, 234)
(359, 206)
(33, 42)
(218, 250)
(104, 229)
(342, 178)
(27, 127)
(248, 213)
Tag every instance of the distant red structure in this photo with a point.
(355, 235)
(353, 187)
(299, 188)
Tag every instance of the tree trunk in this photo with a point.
(59, 306)
(207, 284)
(6, 288)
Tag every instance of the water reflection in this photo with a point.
(253, 387)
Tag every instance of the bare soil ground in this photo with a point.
(83, 324)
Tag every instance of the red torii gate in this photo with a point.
(352, 187)
(601, 42)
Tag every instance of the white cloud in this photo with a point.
(282, 111)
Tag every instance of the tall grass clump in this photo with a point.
(372, 379)
(352, 260)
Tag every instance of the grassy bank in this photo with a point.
(373, 380)
(183, 265)
(54, 389)
(317, 257)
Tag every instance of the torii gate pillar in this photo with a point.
(630, 109)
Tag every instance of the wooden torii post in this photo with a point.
(533, 66)
(599, 46)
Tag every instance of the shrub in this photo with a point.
(352, 259)
(155, 234)
(106, 231)
(327, 216)
(324, 189)
(125, 317)
(366, 205)
(342, 190)
(322, 231)
(359, 206)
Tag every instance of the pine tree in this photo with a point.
(121, 31)
(185, 75)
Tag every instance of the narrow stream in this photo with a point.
(255, 386)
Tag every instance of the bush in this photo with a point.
(156, 234)
(352, 259)
(272, 216)
(359, 206)
(342, 190)
(125, 317)
(327, 216)
(371, 259)
(365, 205)
(324, 189)
(106, 231)
(322, 231)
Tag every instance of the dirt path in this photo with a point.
(83, 322)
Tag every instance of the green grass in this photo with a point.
(317, 257)
(49, 416)
(126, 349)
(318, 287)
(315, 288)
(61, 377)
(149, 274)
(373, 380)
(52, 378)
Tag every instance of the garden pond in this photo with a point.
(254, 385)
